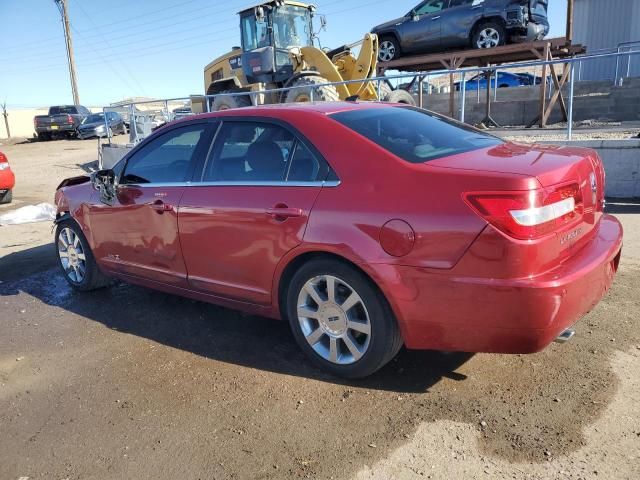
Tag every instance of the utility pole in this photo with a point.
(64, 12)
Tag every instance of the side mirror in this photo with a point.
(414, 17)
(104, 181)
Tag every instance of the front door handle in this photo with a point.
(282, 212)
(161, 207)
(436, 18)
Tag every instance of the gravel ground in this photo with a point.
(129, 383)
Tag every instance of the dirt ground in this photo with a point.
(130, 383)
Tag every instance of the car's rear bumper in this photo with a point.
(444, 312)
(530, 33)
(56, 128)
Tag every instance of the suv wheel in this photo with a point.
(488, 35)
(388, 49)
(340, 320)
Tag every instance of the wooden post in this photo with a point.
(543, 86)
(569, 34)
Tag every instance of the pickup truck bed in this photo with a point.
(61, 121)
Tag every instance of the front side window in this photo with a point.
(414, 135)
(165, 159)
(291, 27)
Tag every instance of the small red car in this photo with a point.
(367, 226)
(7, 180)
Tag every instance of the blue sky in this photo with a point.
(154, 48)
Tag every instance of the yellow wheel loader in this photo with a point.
(278, 51)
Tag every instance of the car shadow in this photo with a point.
(208, 330)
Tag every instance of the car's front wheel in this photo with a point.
(340, 319)
(76, 258)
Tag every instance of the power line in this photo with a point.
(107, 42)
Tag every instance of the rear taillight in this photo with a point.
(35, 122)
(69, 119)
(528, 214)
(4, 163)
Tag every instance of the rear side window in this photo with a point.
(65, 109)
(414, 135)
(248, 152)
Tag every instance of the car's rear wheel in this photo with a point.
(340, 319)
(6, 197)
(388, 50)
(76, 258)
(488, 35)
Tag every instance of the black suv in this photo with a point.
(438, 25)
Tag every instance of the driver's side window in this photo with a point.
(165, 159)
(432, 6)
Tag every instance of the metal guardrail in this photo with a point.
(421, 76)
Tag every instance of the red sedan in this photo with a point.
(365, 226)
(7, 180)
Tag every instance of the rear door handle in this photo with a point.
(283, 212)
(161, 207)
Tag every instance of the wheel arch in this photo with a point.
(290, 265)
(221, 85)
(487, 19)
(390, 33)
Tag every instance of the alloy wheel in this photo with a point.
(488, 38)
(72, 255)
(387, 51)
(334, 319)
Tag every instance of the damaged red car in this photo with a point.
(366, 226)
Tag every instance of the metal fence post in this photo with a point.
(132, 122)
(166, 109)
(420, 86)
(570, 112)
(463, 91)
(378, 90)
(495, 88)
(106, 124)
(311, 95)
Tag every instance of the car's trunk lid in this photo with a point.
(554, 167)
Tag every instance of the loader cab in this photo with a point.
(268, 32)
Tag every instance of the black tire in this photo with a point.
(6, 197)
(489, 34)
(388, 49)
(311, 88)
(93, 278)
(384, 340)
(400, 96)
(224, 102)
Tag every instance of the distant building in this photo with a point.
(604, 25)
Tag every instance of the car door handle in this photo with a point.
(161, 207)
(436, 18)
(283, 212)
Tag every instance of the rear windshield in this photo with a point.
(94, 118)
(71, 110)
(414, 135)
